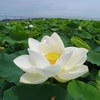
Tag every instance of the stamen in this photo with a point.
(52, 57)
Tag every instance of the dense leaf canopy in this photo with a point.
(13, 42)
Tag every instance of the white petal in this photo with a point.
(49, 45)
(48, 71)
(23, 62)
(51, 71)
(38, 59)
(59, 79)
(64, 58)
(35, 70)
(52, 44)
(33, 44)
(44, 48)
(73, 73)
(77, 56)
(58, 40)
(34, 78)
(45, 39)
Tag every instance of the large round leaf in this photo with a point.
(36, 92)
(83, 91)
(8, 69)
(94, 57)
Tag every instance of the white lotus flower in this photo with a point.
(7, 23)
(26, 27)
(49, 58)
(30, 26)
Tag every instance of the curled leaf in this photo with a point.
(79, 42)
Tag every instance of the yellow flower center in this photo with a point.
(52, 57)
